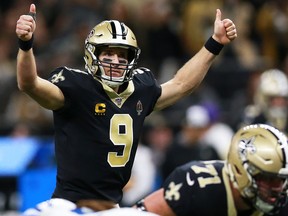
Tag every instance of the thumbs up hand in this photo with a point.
(26, 24)
(224, 30)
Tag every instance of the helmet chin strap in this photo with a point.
(111, 84)
(263, 206)
(108, 80)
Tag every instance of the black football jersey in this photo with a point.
(97, 132)
(201, 188)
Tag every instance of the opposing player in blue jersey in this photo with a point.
(252, 181)
(99, 112)
(62, 207)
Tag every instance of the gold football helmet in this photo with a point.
(111, 33)
(273, 83)
(260, 152)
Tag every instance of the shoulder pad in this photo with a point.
(140, 70)
(76, 70)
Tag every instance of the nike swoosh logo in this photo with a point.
(188, 179)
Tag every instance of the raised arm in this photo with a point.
(191, 74)
(44, 92)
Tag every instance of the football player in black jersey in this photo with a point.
(99, 113)
(270, 105)
(252, 181)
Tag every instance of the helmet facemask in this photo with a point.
(272, 97)
(267, 192)
(105, 36)
(257, 166)
(125, 65)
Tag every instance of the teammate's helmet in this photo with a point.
(260, 152)
(111, 33)
(272, 83)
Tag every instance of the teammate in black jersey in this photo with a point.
(99, 113)
(252, 181)
(270, 104)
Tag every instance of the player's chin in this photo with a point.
(116, 74)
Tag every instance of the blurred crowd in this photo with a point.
(169, 32)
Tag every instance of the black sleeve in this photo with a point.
(145, 79)
(70, 81)
(196, 188)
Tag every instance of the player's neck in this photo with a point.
(116, 89)
(121, 88)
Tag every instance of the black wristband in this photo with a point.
(213, 46)
(25, 45)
